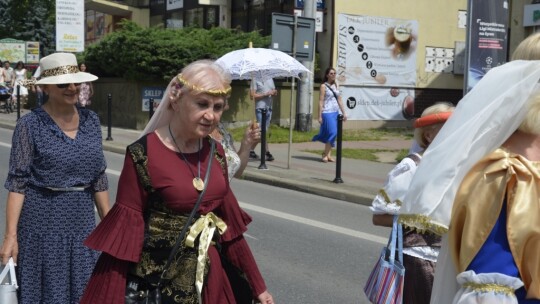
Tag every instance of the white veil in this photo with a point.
(163, 113)
(482, 121)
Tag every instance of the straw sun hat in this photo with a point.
(61, 68)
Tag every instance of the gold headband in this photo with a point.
(61, 70)
(225, 92)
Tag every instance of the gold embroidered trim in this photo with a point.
(221, 159)
(421, 223)
(141, 164)
(226, 92)
(507, 290)
(387, 198)
(61, 70)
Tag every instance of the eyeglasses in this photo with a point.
(65, 85)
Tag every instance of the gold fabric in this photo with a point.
(204, 229)
(421, 223)
(160, 237)
(225, 92)
(387, 199)
(484, 288)
(478, 204)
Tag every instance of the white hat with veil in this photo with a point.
(482, 121)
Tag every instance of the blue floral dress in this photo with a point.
(53, 264)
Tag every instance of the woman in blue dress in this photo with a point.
(329, 106)
(56, 175)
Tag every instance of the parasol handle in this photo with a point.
(250, 44)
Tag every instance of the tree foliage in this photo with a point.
(155, 53)
(29, 20)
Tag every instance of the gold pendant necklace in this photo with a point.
(198, 183)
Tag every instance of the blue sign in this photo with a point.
(151, 92)
(320, 4)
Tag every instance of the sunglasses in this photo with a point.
(65, 85)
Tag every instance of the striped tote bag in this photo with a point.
(385, 283)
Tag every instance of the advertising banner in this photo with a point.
(151, 92)
(12, 50)
(370, 103)
(376, 64)
(487, 38)
(32, 52)
(70, 25)
(376, 51)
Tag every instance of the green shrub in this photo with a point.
(157, 54)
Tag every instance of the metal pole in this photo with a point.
(151, 108)
(292, 96)
(109, 116)
(18, 101)
(338, 179)
(263, 140)
(304, 97)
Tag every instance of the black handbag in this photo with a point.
(138, 290)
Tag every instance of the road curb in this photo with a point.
(114, 148)
(330, 191)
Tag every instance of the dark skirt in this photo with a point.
(328, 130)
(418, 280)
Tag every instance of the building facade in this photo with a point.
(422, 69)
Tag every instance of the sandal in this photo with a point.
(324, 158)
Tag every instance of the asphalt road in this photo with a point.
(310, 249)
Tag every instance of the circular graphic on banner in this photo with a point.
(394, 92)
(360, 48)
(356, 39)
(407, 107)
(369, 65)
(365, 56)
(351, 102)
(351, 30)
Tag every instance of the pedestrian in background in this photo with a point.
(261, 92)
(56, 176)
(9, 73)
(420, 249)
(237, 159)
(19, 80)
(330, 105)
(161, 181)
(86, 90)
(37, 89)
(3, 73)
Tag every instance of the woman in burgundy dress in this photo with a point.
(175, 151)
